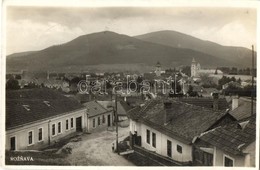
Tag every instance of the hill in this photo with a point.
(239, 56)
(110, 48)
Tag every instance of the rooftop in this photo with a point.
(205, 102)
(185, 121)
(244, 109)
(31, 105)
(232, 138)
(94, 108)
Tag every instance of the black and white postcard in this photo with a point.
(130, 84)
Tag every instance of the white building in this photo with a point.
(36, 118)
(196, 70)
(168, 128)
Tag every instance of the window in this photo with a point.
(67, 124)
(30, 138)
(148, 136)
(40, 134)
(98, 121)
(71, 122)
(228, 161)
(169, 148)
(179, 149)
(94, 122)
(207, 159)
(59, 127)
(53, 129)
(154, 140)
(103, 119)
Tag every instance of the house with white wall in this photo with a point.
(98, 116)
(232, 145)
(169, 127)
(36, 118)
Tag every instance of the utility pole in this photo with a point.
(252, 85)
(175, 83)
(116, 121)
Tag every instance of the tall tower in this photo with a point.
(158, 69)
(193, 68)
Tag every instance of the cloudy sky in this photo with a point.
(35, 28)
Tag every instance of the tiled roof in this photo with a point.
(83, 98)
(232, 138)
(16, 113)
(125, 106)
(243, 110)
(206, 102)
(94, 108)
(186, 120)
(122, 107)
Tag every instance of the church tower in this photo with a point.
(158, 69)
(193, 68)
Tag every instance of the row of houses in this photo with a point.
(190, 133)
(36, 118)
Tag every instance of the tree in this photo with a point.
(233, 79)
(178, 87)
(207, 81)
(75, 80)
(239, 81)
(12, 84)
(190, 90)
(18, 77)
(108, 85)
(186, 70)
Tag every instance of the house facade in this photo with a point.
(168, 128)
(154, 140)
(98, 116)
(231, 145)
(36, 118)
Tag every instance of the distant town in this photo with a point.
(185, 116)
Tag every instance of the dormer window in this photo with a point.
(47, 103)
(26, 107)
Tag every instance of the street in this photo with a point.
(96, 149)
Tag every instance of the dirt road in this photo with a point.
(95, 149)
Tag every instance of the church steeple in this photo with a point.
(158, 69)
(193, 68)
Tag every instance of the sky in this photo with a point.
(36, 28)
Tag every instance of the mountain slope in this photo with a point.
(109, 48)
(239, 56)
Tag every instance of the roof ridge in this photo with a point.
(101, 105)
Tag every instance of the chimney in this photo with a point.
(235, 102)
(215, 100)
(166, 113)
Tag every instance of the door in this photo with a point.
(13, 144)
(79, 124)
(108, 120)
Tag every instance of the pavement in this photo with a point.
(95, 149)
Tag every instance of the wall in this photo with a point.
(134, 126)
(161, 143)
(219, 158)
(102, 125)
(250, 157)
(21, 133)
